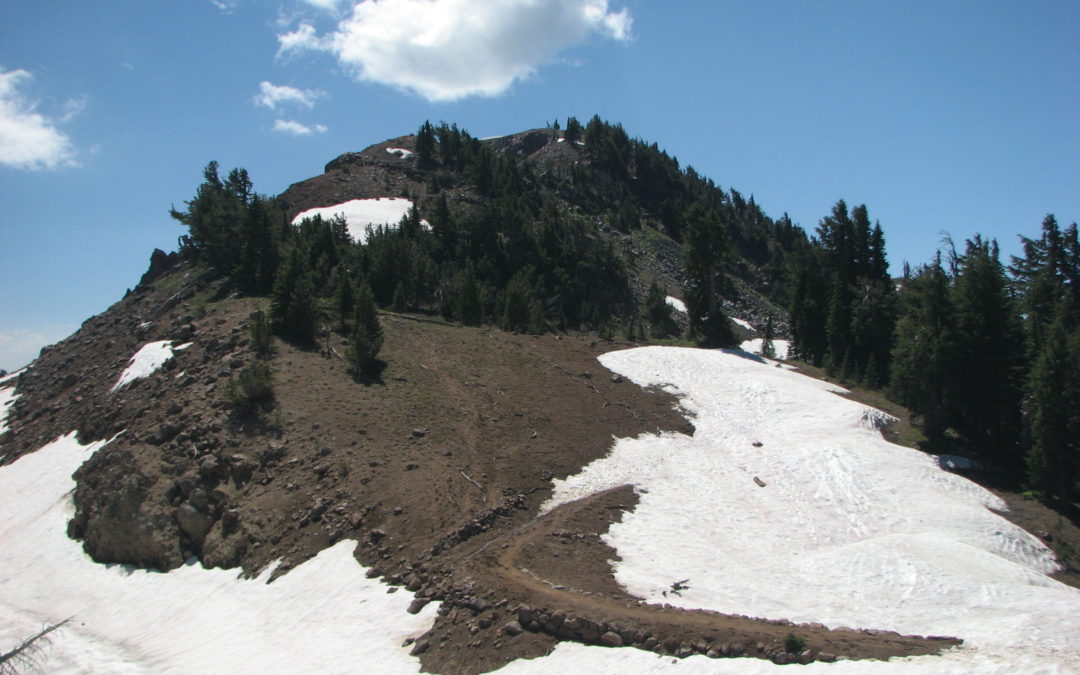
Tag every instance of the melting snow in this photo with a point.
(7, 399)
(780, 347)
(323, 616)
(146, 361)
(849, 530)
(12, 376)
(744, 324)
(360, 213)
(676, 303)
(400, 152)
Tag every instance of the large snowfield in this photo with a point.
(361, 213)
(848, 530)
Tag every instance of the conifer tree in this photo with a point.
(292, 305)
(658, 312)
(1053, 458)
(367, 337)
(706, 249)
(768, 349)
(924, 354)
(987, 402)
(425, 146)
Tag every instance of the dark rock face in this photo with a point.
(160, 262)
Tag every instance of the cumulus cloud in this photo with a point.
(28, 139)
(297, 129)
(449, 49)
(299, 40)
(272, 95)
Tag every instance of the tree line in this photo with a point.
(986, 354)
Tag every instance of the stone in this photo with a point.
(611, 639)
(512, 628)
(193, 521)
(419, 647)
(417, 604)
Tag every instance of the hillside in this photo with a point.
(444, 444)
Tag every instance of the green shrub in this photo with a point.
(252, 389)
(261, 338)
(793, 644)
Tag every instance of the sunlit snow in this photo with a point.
(848, 530)
(780, 347)
(744, 324)
(323, 616)
(359, 214)
(676, 304)
(146, 361)
(7, 399)
(12, 376)
(400, 152)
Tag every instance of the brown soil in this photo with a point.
(437, 467)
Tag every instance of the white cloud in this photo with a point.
(331, 6)
(297, 129)
(30, 140)
(301, 39)
(226, 6)
(272, 95)
(20, 346)
(449, 49)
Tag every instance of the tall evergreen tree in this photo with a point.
(292, 305)
(706, 249)
(924, 356)
(990, 362)
(366, 339)
(1053, 457)
(425, 146)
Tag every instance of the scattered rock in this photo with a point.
(610, 639)
(512, 628)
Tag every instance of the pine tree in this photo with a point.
(261, 339)
(706, 249)
(923, 358)
(292, 306)
(1053, 458)
(987, 402)
(658, 312)
(367, 337)
(425, 146)
(345, 299)
(768, 349)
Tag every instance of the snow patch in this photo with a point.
(744, 324)
(12, 376)
(400, 152)
(147, 361)
(359, 214)
(323, 616)
(848, 529)
(7, 399)
(676, 304)
(780, 347)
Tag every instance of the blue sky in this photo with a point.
(940, 116)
